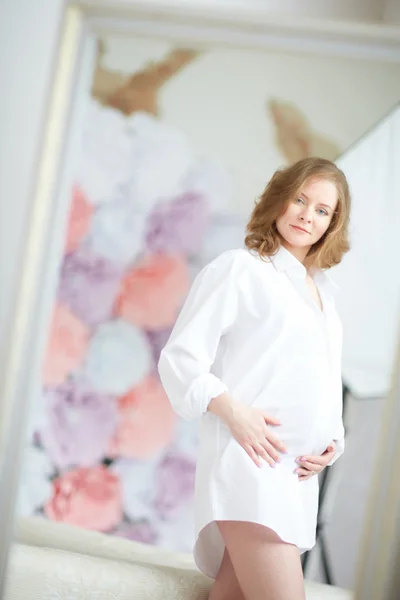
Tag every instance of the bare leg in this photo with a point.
(266, 567)
(226, 586)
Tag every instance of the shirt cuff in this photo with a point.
(340, 445)
(202, 390)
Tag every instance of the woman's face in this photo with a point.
(308, 216)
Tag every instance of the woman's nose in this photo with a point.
(305, 215)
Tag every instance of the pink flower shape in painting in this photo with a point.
(80, 423)
(175, 484)
(147, 421)
(89, 285)
(178, 226)
(89, 498)
(153, 291)
(79, 219)
(66, 347)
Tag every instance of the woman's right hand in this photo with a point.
(250, 428)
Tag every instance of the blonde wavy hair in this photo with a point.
(284, 186)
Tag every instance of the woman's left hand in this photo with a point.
(313, 465)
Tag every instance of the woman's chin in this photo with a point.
(294, 242)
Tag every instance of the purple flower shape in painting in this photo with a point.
(157, 340)
(79, 425)
(141, 531)
(175, 484)
(178, 226)
(89, 285)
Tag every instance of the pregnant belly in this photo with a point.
(300, 436)
(304, 429)
(302, 440)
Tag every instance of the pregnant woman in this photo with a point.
(255, 355)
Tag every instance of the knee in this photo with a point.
(226, 586)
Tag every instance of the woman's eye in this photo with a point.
(299, 200)
(321, 211)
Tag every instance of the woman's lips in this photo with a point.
(299, 229)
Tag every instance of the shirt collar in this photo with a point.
(284, 261)
(325, 282)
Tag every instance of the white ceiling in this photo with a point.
(349, 10)
(354, 28)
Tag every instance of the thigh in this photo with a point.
(226, 586)
(266, 567)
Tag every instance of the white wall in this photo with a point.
(219, 101)
(28, 42)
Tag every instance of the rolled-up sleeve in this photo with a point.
(209, 312)
(340, 444)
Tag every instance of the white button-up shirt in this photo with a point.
(250, 326)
